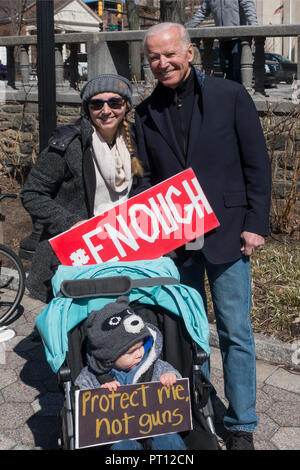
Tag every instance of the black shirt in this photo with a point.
(181, 101)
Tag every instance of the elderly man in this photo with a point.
(211, 125)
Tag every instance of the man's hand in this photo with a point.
(251, 241)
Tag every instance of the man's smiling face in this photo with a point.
(168, 57)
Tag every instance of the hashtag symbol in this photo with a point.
(79, 257)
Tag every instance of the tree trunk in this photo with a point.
(172, 10)
(134, 46)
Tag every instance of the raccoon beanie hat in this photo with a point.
(106, 83)
(111, 331)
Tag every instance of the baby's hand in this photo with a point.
(168, 379)
(111, 385)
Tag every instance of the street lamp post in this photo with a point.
(291, 20)
(46, 70)
(47, 98)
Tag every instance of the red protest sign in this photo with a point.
(135, 411)
(146, 226)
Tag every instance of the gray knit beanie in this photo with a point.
(111, 331)
(106, 83)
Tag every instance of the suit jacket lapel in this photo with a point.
(160, 114)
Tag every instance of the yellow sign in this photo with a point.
(133, 411)
(100, 8)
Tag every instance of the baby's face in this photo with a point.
(131, 358)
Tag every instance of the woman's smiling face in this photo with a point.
(107, 119)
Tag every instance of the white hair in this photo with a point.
(161, 27)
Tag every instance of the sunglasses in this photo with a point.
(113, 103)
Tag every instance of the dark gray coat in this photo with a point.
(59, 192)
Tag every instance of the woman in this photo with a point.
(86, 169)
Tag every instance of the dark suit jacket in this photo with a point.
(227, 152)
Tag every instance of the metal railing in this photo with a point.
(108, 52)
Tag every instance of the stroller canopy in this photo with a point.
(64, 313)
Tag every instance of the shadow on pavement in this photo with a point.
(36, 373)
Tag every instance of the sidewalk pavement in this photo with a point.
(30, 399)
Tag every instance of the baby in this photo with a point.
(123, 350)
(130, 360)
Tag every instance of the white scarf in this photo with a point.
(113, 172)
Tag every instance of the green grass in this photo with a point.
(275, 270)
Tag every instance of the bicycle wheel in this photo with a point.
(12, 282)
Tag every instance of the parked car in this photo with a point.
(3, 71)
(82, 66)
(270, 74)
(270, 69)
(286, 69)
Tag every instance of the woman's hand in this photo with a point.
(78, 223)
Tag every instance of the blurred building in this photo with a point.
(114, 15)
(111, 15)
(69, 16)
(280, 12)
(273, 12)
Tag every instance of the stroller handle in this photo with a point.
(109, 286)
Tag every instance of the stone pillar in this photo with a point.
(259, 65)
(197, 61)
(108, 57)
(24, 64)
(208, 56)
(246, 64)
(59, 66)
(134, 48)
(11, 66)
(298, 59)
(148, 76)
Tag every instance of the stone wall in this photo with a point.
(282, 132)
(19, 130)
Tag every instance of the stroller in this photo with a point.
(157, 296)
